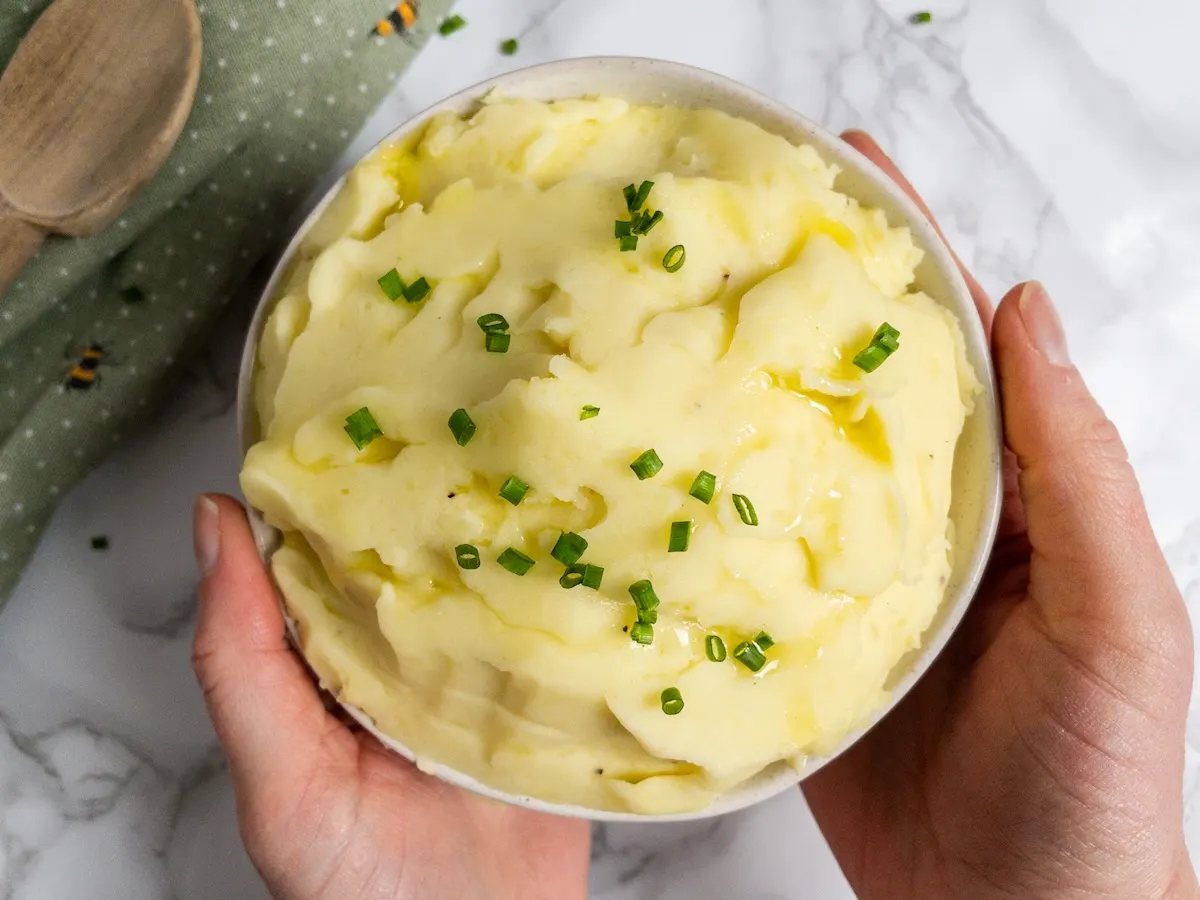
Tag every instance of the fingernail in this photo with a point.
(1043, 325)
(206, 534)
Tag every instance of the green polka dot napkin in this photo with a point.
(285, 84)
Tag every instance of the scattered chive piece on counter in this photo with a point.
(417, 291)
(462, 427)
(885, 342)
(681, 536)
(589, 412)
(674, 259)
(569, 547)
(704, 486)
(100, 542)
(515, 561)
(920, 18)
(509, 47)
(647, 465)
(764, 641)
(714, 648)
(628, 242)
(467, 556)
(642, 633)
(132, 294)
(393, 285)
(749, 655)
(514, 489)
(362, 428)
(451, 24)
(492, 323)
(582, 573)
(496, 342)
(745, 509)
(672, 701)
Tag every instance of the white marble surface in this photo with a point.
(1054, 138)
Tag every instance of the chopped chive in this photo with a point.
(643, 194)
(647, 465)
(704, 485)
(589, 412)
(745, 509)
(100, 542)
(647, 616)
(749, 655)
(642, 633)
(569, 547)
(646, 222)
(362, 428)
(514, 489)
(628, 242)
(764, 641)
(884, 343)
(417, 291)
(920, 18)
(515, 561)
(674, 259)
(467, 556)
(451, 24)
(582, 573)
(509, 47)
(681, 536)
(672, 701)
(496, 342)
(132, 294)
(643, 595)
(462, 427)
(714, 648)
(630, 192)
(393, 285)
(622, 228)
(490, 322)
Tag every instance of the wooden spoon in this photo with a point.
(90, 105)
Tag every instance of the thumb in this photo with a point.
(1095, 558)
(262, 702)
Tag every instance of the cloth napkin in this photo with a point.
(285, 85)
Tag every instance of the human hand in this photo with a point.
(1042, 754)
(327, 813)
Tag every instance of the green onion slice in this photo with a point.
(764, 641)
(582, 573)
(884, 343)
(643, 194)
(514, 489)
(681, 536)
(745, 509)
(642, 633)
(462, 427)
(490, 322)
(451, 24)
(704, 485)
(509, 47)
(569, 547)
(645, 221)
(622, 228)
(714, 648)
(675, 258)
(647, 465)
(643, 594)
(362, 428)
(496, 342)
(648, 616)
(589, 412)
(749, 655)
(515, 561)
(672, 701)
(417, 291)
(628, 242)
(630, 192)
(393, 285)
(920, 18)
(467, 556)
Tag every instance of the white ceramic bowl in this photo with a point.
(975, 507)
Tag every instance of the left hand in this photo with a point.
(327, 813)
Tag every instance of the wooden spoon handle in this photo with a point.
(18, 242)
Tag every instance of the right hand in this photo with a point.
(1042, 755)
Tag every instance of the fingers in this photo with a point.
(865, 144)
(1094, 550)
(261, 700)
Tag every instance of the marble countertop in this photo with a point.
(1053, 138)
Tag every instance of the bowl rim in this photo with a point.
(780, 776)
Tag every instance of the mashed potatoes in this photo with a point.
(738, 364)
